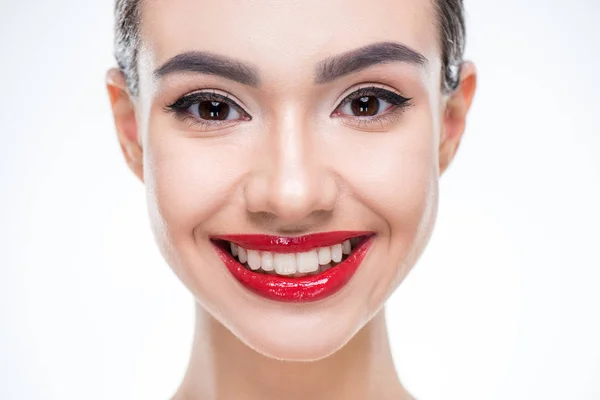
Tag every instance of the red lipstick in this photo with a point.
(288, 289)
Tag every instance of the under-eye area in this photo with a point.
(296, 264)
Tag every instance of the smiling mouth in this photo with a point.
(292, 264)
(294, 269)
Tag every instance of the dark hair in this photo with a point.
(450, 24)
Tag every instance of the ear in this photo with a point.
(455, 115)
(125, 122)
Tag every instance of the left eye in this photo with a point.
(213, 111)
(366, 106)
(207, 109)
(370, 102)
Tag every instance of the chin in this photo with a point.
(298, 337)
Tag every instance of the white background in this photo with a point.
(504, 304)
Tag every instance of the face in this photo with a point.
(290, 118)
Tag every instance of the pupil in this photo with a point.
(365, 106)
(213, 110)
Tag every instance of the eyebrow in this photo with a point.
(326, 71)
(356, 60)
(211, 64)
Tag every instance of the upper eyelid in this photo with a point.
(361, 92)
(366, 87)
(372, 88)
(203, 95)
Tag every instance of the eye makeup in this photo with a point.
(211, 110)
(394, 104)
(207, 110)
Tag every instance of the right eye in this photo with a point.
(207, 109)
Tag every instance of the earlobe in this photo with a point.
(455, 115)
(125, 121)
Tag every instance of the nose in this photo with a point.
(292, 185)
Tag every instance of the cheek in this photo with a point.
(400, 185)
(395, 174)
(410, 188)
(408, 201)
(188, 179)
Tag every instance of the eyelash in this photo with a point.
(398, 104)
(181, 106)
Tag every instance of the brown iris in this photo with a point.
(366, 106)
(213, 110)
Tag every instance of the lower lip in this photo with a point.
(297, 290)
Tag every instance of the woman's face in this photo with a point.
(318, 116)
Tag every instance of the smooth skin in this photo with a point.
(291, 163)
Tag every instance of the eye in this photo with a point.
(207, 109)
(371, 105)
(213, 110)
(366, 106)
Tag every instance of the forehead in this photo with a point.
(286, 36)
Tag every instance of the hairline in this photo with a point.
(449, 16)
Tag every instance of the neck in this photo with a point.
(222, 367)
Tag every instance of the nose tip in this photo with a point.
(292, 196)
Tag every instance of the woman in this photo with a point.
(291, 152)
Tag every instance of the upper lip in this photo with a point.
(291, 244)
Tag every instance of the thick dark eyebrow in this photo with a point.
(211, 64)
(355, 60)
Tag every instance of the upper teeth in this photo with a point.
(292, 263)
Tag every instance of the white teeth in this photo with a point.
(242, 255)
(324, 254)
(285, 264)
(308, 261)
(346, 247)
(266, 261)
(254, 259)
(336, 253)
(294, 264)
